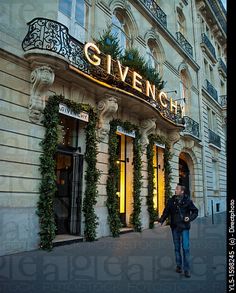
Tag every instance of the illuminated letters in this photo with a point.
(150, 88)
(161, 96)
(173, 104)
(109, 64)
(136, 81)
(96, 60)
(122, 75)
(92, 53)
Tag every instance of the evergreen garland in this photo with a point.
(168, 170)
(150, 205)
(47, 189)
(113, 176)
(92, 175)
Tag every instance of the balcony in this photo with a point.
(155, 11)
(222, 67)
(211, 90)
(214, 138)
(184, 44)
(208, 48)
(223, 101)
(191, 127)
(217, 12)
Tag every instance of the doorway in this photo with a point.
(67, 203)
(184, 175)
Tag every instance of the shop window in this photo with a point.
(67, 132)
(159, 180)
(72, 13)
(120, 29)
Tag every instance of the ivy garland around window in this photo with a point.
(48, 188)
(113, 177)
(167, 157)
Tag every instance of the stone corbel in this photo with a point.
(106, 110)
(173, 137)
(41, 78)
(147, 127)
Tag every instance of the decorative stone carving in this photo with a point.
(173, 137)
(106, 109)
(147, 127)
(41, 78)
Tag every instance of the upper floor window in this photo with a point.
(120, 29)
(72, 13)
(211, 118)
(181, 22)
(184, 85)
(153, 55)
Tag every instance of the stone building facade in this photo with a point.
(42, 51)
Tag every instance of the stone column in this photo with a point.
(107, 108)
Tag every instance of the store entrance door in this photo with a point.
(67, 203)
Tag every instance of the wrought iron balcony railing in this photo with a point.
(214, 138)
(211, 90)
(52, 36)
(156, 11)
(191, 126)
(223, 101)
(222, 66)
(209, 45)
(184, 44)
(218, 13)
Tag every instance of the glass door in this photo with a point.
(68, 198)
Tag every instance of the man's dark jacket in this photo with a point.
(178, 210)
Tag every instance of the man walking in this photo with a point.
(181, 211)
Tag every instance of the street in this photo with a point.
(134, 262)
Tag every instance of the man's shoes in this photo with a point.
(178, 270)
(187, 274)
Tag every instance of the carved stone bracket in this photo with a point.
(147, 127)
(41, 78)
(106, 110)
(173, 137)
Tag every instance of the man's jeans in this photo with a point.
(181, 239)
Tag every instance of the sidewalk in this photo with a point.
(134, 262)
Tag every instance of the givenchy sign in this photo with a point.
(92, 53)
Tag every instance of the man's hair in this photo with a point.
(183, 188)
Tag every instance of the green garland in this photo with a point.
(92, 176)
(48, 187)
(113, 175)
(168, 170)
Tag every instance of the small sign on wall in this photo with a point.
(128, 133)
(63, 109)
